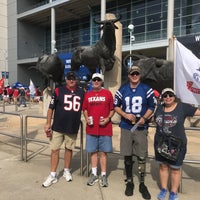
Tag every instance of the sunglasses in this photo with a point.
(168, 95)
(71, 78)
(96, 79)
(135, 74)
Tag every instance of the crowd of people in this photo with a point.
(20, 95)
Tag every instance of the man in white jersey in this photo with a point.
(134, 102)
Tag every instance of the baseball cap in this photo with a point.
(134, 69)
(167, 90)
(70, 74)
(97, 75)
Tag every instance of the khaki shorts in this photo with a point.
(135, 143)
(57, 139)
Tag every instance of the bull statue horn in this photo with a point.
(98, 22)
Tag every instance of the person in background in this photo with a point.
(22, 96)
(15, 95)
(1, 93)
(98, 110)
(27, 94)
(157, 96)
(38, 94)
(169, 117)
(6, 95)
(65, 108)
(135, 103)
(32, 94)
(10, 93)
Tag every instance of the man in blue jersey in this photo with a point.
(134, 102)
(66, 106)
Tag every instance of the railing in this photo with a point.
(4, 106)
(20, 136)
(27, 138)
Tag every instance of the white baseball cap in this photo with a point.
(98, 75)
(167, 90)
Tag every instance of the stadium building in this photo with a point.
(39, 26)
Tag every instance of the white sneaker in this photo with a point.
(49, 181)
(67, 176)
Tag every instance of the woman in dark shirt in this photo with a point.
(169, 118)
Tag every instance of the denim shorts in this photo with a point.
(98, 143)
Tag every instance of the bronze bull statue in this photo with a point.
(100, 55)
(51, 67)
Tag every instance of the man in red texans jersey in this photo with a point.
(65, 107)
(98, 110)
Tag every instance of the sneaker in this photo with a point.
(49, 181)
(67, 175)
(92, 180)
(162, 194)
(173, 196)
(129, 188)
(144, 191)
(103, 181)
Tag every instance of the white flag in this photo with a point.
(32, 87)
(186, 74)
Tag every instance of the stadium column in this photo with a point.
(112, 78)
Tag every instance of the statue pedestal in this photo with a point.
(112, 78)
(47, 93)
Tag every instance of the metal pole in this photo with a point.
(103, 9)
(130, 61)
(170, 25)
(53, 37)
(81, 146)
(103, 12)
(53, 41)
(132, 39)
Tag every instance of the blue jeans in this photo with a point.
(98, 143)
(22, 100)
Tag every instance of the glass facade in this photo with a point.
(186, 17)
(72, 34)
(149, 19)
(148, 16)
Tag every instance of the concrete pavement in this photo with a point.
(22, 180)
